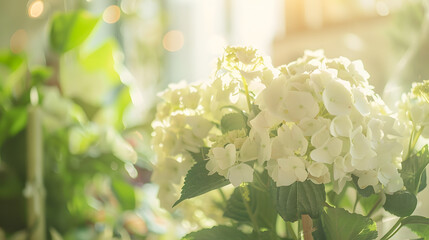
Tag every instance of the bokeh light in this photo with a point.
(36, 9)
(111, 14)
(173, 41)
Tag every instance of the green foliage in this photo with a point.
(339, 224)
(366, 192)
(233, 121)
(216, 233)
(367, 203)
(70, 29)
(201, 156)
(413, 169)
(418, 224)
(95, 72)
(124, 193)
(401, 204)
(259, 203)
(198, 181)
(300, 198)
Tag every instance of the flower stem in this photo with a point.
(393, 230)
(307, 227)
(245, 196)
(374, 207)
(356, 201)
(34, 190)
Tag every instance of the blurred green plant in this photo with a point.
(89, 158)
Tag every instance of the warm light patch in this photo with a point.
(36, 9)
(111, 14)
(18, 41)
(173, 41)
(382, 8)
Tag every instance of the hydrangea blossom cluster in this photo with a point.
(414, 109)
(315, 118)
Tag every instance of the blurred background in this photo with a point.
(78, 84)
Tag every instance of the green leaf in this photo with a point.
(125, 194)
(70, 29)
(340, 224)
(418, 224)
(40, 74)
(216, 233)
(318, 233)
(300, 198)
(201, 156)
(413, 168)
(233, 121)
(198, 181)
(368, 203)
(93, 71)
(423, 182)
(259, 203)
(366, 192)
(400, 203)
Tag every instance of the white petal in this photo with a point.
(341, 126)
(299, 105)
(239, 174)
(321, 155)
(286, 177)
(200, 126)
(361, 102)
(334, 146)
(337, 98)
(321, 137)
(317, 169)
(249, 150)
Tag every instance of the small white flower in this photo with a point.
(200, 126)
(289, 141)
(361, 102)
(290, 170)
(319, 173)
(224, 157)
(320, 137)
(367, 178)
(327, 152)
(337, 98)
(239, 174)
(341, 126)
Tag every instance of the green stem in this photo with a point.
(246, 90)
(374, 207)
(392, 230)
(222, 194)
(245, 196)
(34, 190)
(290, 233)
(356, 202)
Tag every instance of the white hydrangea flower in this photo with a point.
(222, 158)
(337, 98)
(289, 140)
(319, 173)
(239, 174)
(308, 120)
(286, 171)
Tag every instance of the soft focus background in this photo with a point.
(91, 82)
